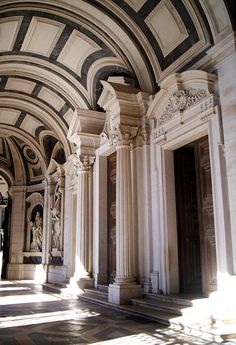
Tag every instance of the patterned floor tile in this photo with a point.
(49, 319)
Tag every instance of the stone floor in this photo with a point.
(29, 316)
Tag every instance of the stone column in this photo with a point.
(70, 217)
(47, 220)
(124, 287)
(17, 233)
(82, 276)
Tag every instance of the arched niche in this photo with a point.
(34, 211)
(184, 110)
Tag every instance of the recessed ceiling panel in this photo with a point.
(167, 26)
(9, 116)
(8, 32)
(51, 98)
(76, 50)
(135, 4)
(42, 36)
(17, 84)
(30, 124)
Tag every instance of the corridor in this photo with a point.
(31, 316)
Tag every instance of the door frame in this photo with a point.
(180, 129)
(100, 273)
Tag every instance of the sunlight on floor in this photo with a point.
(13, 288)
(146, 339)
(39, 318)
(6, 282)
(136, 339)
(26, 299)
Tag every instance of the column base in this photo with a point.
(81, 283)
(121, 294)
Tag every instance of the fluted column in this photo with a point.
(124, 287)
(124, 233)
(83, 234)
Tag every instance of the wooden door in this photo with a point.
(187, 221)
(111, 217)
(206, 216)
(195, 218)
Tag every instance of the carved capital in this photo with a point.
(83, 162)
(180, 100)
(145, 134)
(123, 135)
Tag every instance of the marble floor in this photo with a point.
(31, 316)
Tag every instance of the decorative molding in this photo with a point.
(159, 135)
(123, 135)
(144, 132)
(83, 162)
(104, 136)
(180, 100)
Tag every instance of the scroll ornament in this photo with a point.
(180, 101)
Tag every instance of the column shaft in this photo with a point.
(124, 232)
(82, 235)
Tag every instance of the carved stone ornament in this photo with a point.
(83, 162)
(145, 134)
(123, 135)
(180, 101)
(105, 133)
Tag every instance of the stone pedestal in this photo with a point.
(121, 294)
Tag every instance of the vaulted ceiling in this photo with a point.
(54, 53)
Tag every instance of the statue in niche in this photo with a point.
(56, 221)
(37, 232)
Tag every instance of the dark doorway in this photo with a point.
(111, 217)
(195, 218)
(5, 240)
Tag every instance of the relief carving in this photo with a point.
(123, 135)
(83, 162)
(145, 134)
(180, 101)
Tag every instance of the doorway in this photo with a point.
(195, 218)
(111, 217)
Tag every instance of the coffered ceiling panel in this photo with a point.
(9, 116)
(17, 84)
(42, 36)
(30, 124)
(167, 27)
(9, 28)
(51, 98)
(76, 50)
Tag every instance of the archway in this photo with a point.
(5, 207)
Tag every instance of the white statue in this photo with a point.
(56, 222)
(37, 233)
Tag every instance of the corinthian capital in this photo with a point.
(83, 162)
(123, 135)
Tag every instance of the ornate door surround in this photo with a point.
(184, 110)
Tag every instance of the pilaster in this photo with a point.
(124, 287)
(224, 55)
(82, 274)
(83, 133)
(126, 108)
(17, 232)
